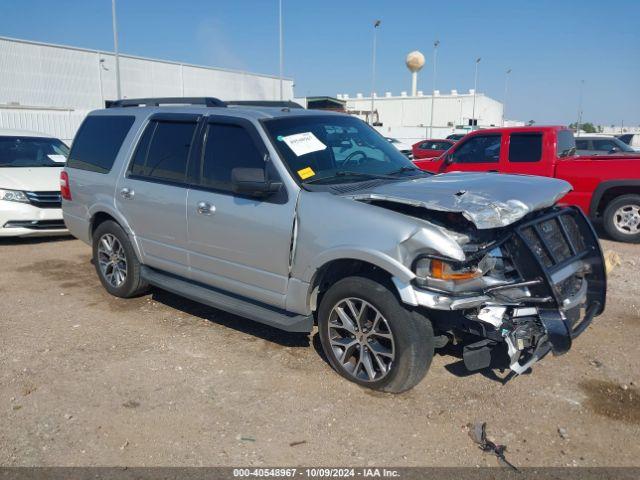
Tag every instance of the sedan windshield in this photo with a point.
(336, 149)
(32, 152)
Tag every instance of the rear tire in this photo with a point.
(621, 218)
(372, 339)
(116, 262)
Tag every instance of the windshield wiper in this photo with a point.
(406, 169)
(348, 173)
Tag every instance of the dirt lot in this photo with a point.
(87, 379)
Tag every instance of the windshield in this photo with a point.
(336, 149)
(32, 152)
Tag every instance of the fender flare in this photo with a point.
(602, 188)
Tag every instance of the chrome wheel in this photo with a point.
(626, 219)
(112, 260)
(361, 339)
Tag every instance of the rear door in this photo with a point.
(152, 194)
(525, 154)
(237, 243)
(477, 153)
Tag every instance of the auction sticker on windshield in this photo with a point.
(303, 143)
(306, 173)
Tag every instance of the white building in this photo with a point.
(408, 117)
(50, 88)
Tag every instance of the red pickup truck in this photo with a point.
(606, 188)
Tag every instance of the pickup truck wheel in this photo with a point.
(622, 218)
(116, 262)
(370, 338)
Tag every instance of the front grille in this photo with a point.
(36, 224)
(561, 251)
(45, 199)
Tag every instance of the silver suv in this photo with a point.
(290, 217)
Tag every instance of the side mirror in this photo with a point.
(253, 182)
(448, 159)
(614, 150)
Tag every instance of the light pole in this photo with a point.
(115, 47)
(579, 108)
(281, 49)
(373, 65)
(436, 44)
(506, 91)
(475, 88)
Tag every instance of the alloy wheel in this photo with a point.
(627, 219)
(112, 260)
(361, 340)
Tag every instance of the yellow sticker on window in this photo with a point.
(306, 173)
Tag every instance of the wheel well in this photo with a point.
(336, 270)
(613, 193)
(98, 219)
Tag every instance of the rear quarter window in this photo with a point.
(98, 142)
(525, 147)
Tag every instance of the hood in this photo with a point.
(30, 179)
(488, 200)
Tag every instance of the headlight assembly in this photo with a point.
(443, 275)
(13, 196)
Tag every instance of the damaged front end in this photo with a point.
(529, 288)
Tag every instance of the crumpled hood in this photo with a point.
(30, 179)
(488, 200)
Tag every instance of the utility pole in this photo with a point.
(506, 91)
(115, 47)
(373, 66)
(433, 90)
(579, 108)
(475, 88)
(281, 50)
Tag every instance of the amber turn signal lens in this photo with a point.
(442, 271)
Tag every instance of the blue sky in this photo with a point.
(550, 45)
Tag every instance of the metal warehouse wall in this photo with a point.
(45, 78)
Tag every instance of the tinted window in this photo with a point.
(582, 144)
(566, 143)
(98, 142)
(479, 149)
(32, 152)
(525, 147)
(163, 151)
(227, 147)
(603, 145)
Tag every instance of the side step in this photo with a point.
(234, 304)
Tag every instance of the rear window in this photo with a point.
(566, 143)
(525, 147)
(98, 142)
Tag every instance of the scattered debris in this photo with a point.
(611, 260)
(299, 442)
(563, 433)
(245, 439)
(16, 407)
(124, 445)
(131, 404)
(68, 416)
(595, 363)
(478, 433)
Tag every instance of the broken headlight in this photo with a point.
(450, 276)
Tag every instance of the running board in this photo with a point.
(230, 303)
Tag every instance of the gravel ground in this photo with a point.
(88, 379)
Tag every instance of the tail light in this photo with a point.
(65, 191)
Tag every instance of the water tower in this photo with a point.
(415, 62)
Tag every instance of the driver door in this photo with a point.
(479, 153)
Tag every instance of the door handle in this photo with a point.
(127, 193)
(492, 171)
(205, 208)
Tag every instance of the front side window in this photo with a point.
(163, 151)
(479, 149)
(525, 147)
(227, 147)
(328, 149)
(98, 142)
(18, 151)
(566, 144)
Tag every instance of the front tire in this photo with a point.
(622, 218)
(116, 262)
(372, 339)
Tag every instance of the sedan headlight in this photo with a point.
(443, 275)
(13, 196)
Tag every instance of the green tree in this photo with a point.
(587, 127)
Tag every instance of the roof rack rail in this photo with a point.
(156, 102)
(265, 103)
